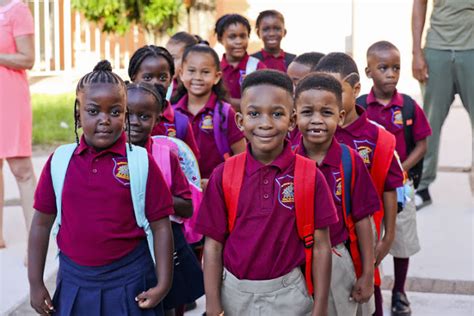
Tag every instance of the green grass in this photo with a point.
(53, 119)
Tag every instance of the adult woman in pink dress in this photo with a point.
(16, 55)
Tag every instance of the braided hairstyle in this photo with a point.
(102, 73)
(156, 90)
(149, 51)
(219, 88)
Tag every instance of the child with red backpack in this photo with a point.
(265, 213)
(318, 102)
(405, 119)
(376, 146)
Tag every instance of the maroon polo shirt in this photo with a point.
(203, 128)
(294, 137)
(167, 127)
(233, 76)
(264, 243)
(180, 184)
(362, 135)
(364, 198)
(98, 222)
(272, 62)
(390, 117)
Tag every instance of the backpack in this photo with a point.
(220, 121)
(288, 57)
(304, 188)
(181, 123)
(252, 64)
(137, 158)
(408, 113)
(162, 146)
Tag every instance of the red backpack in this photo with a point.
(305, 190)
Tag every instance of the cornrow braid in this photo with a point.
(76, 121)
(149, 51)
(156, 90)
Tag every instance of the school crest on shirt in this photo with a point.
(206, 122)
(365, 149)
(286, 192)
(170, 129)
(337, 185)
(120, 172)
(397, 118)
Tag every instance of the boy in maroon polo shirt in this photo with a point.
(270, 27)
(233, 31)
(318, 102)
(361, 134)
(302, 65)
(257, 266)
(385, 105)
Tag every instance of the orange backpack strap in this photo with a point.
(232, 177)
(348, 179)
(305, 190)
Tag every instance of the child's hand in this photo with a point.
(381, 250)
(204, 184)
(40, 300)
(150, 298)
(363, 288)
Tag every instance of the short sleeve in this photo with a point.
(45, 198)
(325, 213)
(180, 185)
(22, 20)
(158, 201)
(365, 200)
(233, 133)
(212, 216)
(421, 126)
(394, 177)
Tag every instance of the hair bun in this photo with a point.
(103, 65)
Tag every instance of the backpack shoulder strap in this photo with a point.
(258, 55)
(220, 121)
(362, 101)
(383, 155)
(181, 122)
(161, 154)
(305, 191)
(408, 113)
(232, 178)
(59, 164)
(289, 58)
(252, 65)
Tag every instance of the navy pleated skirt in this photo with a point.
(188, 281)
(106, 290)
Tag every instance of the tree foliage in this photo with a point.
(116, 16)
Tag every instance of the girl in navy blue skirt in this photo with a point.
(105, 265)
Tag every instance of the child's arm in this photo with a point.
(364, 286)
(416, 155)
(183, 207)
(390, 208)
(163, 241)
(213, 276)
(322, 261)
(238, 147)
(38, 242)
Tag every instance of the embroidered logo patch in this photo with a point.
(397, 118)
(286, 194)
(365, 149)
(337, 185)
(170, 130)
(120, 171)
(206, 122)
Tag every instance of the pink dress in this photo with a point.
(15, 105)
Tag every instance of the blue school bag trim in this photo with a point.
(347, 169)
(138, 168)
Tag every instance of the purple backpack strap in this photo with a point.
(220, 122)
(181, 123)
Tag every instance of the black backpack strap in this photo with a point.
(289, 58)
(258, 55)
(362, 101)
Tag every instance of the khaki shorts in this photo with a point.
(343, 278)
(286, 295)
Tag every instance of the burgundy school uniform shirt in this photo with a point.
(203, 128)
(233, 76)
(364, 197)
(362, 135)
(390, 117)
(272, 62)
(98, 222)
(264, 243)
(167, 127)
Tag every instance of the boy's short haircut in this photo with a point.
(228, 19)
(310, 59)
(380, 46)
(273, 13)
(185, 38)
(268, 77)
(342, 64)
(320, 81)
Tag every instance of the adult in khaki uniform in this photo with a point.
(444, 67)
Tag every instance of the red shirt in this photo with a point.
(390, 117)
(264, 243)
(233, 76)
(272, 62)
(203, 129)
(98, 222)
(364, 198)
(167, 127)
(362, 135)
